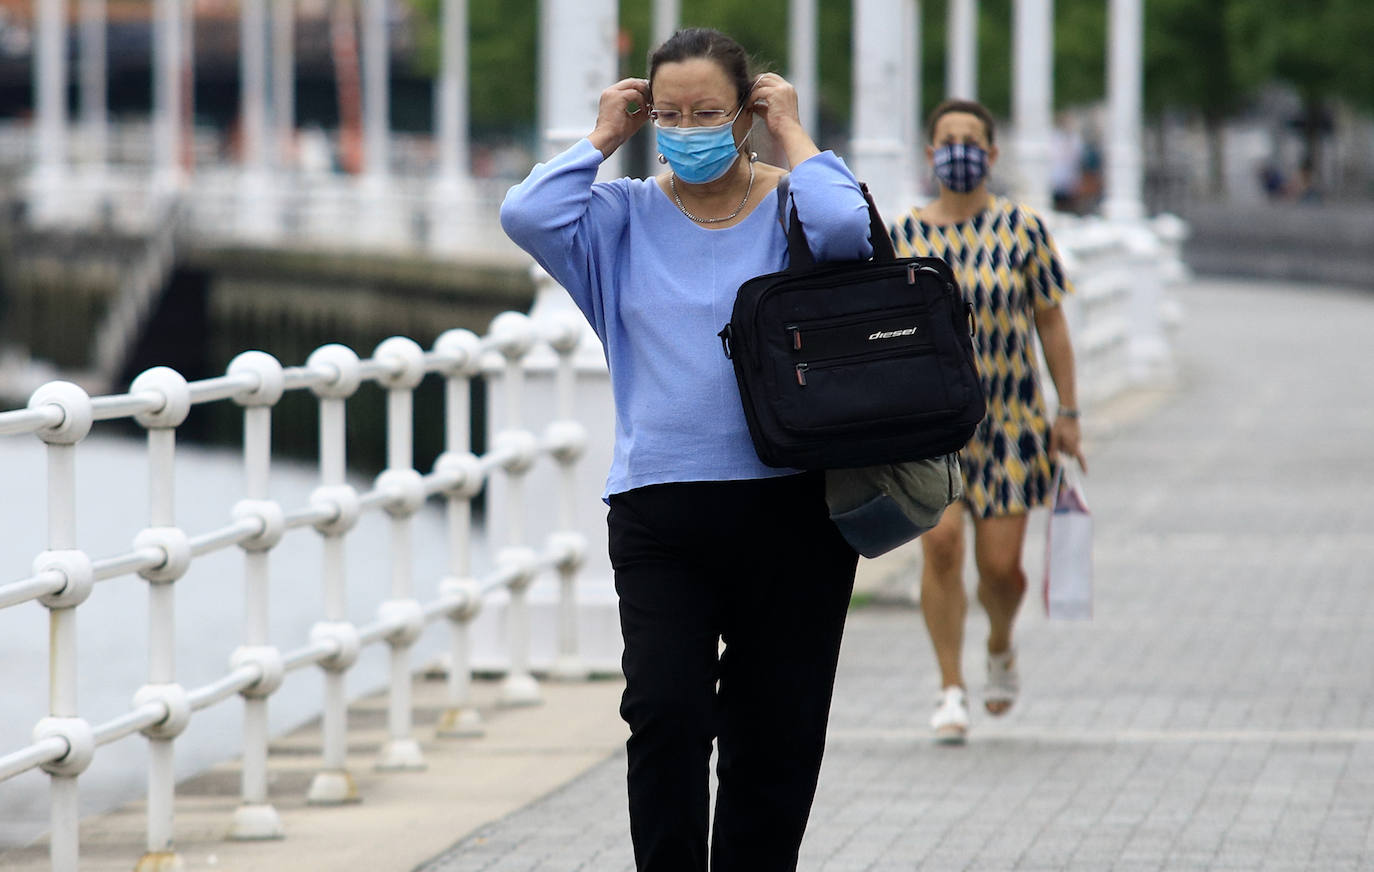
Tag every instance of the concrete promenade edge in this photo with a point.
(1216, 714)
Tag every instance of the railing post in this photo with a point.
(256, 818)
(513, 335)
(461, 717)
(63, 719)
(334, 784)
(568, 440)
(406, 368)
(163, 533)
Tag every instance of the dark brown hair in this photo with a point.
(971, 107)
(704, 42)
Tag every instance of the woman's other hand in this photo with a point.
(623, 109)
(775, 101)
(1066, 437)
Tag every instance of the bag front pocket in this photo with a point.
(839, 392)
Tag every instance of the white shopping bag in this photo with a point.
(1068, 585)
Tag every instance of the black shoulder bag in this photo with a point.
(853, 363)
(864, 369)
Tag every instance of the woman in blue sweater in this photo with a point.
(708, 544)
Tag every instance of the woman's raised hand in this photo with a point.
(623, 109)
(775, 101)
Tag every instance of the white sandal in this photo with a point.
(1003, 683)
(950, 721)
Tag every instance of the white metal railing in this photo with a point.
(61, 414)
(1123, 313)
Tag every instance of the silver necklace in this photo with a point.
(672, 183)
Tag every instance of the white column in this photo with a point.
(912, 157)
(801, 61)
(167, 96)
(453, 211)
(50, 102)
(380, 221)
(667, 19)
(254, 211)
(879, 128)
(186, 108)
(961, 56)
(667, 16)
(1032, 98)
(577, 61)
(1124, 169)
(283, 82)
(376, 99)
(452, 94)
(94, 115)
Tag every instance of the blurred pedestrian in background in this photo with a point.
(1010, 272)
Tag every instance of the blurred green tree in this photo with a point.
(1190, 67)
(1201, 58)
(502, 57)
(1319, 47)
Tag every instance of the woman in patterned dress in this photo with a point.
(1009, 270)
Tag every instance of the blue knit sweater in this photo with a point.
(657, 287)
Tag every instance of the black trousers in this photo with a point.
(759, 565)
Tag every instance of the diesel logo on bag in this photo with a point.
(892, 334)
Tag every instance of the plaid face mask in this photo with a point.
(961, 167)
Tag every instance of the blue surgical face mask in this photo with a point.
(699, 154)
(961, 167)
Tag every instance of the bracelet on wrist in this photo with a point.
(1068, 412)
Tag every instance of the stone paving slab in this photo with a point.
(1216, 714)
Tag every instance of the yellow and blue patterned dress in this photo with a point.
(1008, 268)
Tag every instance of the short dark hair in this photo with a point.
(971, 107)
(705, 42)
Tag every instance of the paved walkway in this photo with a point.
(1216, 714)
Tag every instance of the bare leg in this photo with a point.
(1001, 582)
(943, 601)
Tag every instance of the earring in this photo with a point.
(753, 156)
(662, 159)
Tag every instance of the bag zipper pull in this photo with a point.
(795, 332)
(801, 373)
(911, 273)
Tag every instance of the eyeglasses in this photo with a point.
(700, 117)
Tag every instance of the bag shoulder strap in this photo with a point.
(799, 253)
(784, 186)
(877, 229)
